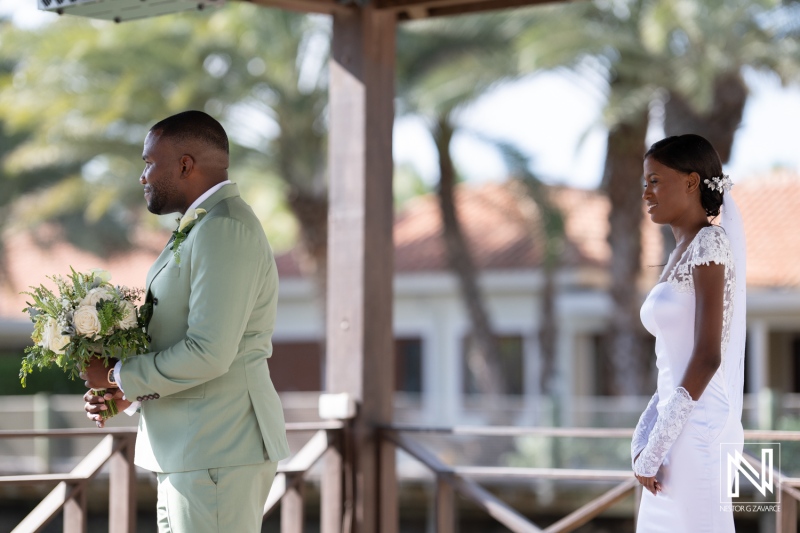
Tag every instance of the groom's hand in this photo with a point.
(95, 405)
(96, 374)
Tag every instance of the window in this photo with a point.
(408, 365)
(511, 366)
(795, 351)
(297, 366)
(604, 370)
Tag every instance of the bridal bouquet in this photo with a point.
(84, 317)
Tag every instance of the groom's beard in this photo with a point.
(161, 199)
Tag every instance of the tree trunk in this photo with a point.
(311, 212)
(622, 179)
(718, 124)
(551, 225)
(483, 353)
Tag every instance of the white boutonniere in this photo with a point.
(185, 225)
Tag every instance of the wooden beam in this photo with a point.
(43, 513)
(484, 499)
(300, 464)
(325, 7)
(588, 511)
(360, 347)
(411, 9)
(500, 473)
(494, 507)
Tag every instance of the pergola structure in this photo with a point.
(360, 475)
(359, 349)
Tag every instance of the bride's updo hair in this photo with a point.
(692, 153)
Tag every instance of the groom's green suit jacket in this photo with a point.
(207, 397)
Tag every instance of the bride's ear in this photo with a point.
(692, 182)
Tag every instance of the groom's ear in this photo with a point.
(187, 165)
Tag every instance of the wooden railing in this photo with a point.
(288, 490)
(69, 495)
(117, 448)
(452, 480)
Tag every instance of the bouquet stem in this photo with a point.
(111, 405)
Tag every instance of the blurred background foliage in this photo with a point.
(76, 101)
(77, 97)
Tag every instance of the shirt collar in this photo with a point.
(202, 198)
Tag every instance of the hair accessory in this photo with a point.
(722, 184)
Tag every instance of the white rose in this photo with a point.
(104, 275)
(129, 319)
(86, 321)
(59, 342)
(48, 331)
(52, 338)
(95, 295)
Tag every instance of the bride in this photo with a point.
(697, 313)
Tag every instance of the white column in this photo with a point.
(532, 382)
(758, 372)
(564, 364)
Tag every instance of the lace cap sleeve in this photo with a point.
(711, 245)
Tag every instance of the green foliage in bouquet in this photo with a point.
(87, 317)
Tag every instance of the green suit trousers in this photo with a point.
(218, 500)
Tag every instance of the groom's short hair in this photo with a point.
(193, 126)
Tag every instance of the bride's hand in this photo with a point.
(649, 483)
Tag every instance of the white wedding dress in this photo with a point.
(693, 496)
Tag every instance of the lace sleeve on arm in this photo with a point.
(644, 427)
(711, 245)
(666, 430)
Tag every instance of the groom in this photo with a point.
(211, 423)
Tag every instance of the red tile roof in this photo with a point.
(500, 222)
(770, 206)
(29, 262)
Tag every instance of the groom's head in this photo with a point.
(184, 156)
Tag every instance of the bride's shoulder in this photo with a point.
(712, 245)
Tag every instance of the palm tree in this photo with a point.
(550, 225)
(635, 51)
(442, 67)
(110, 83)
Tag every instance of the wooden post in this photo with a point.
(122, 488)
(445, 506)
(75, 512)
(292, 513)
(786, 518)
(360, 254)
(332, 499)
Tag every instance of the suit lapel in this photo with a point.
(228, 191)
(158, 266)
